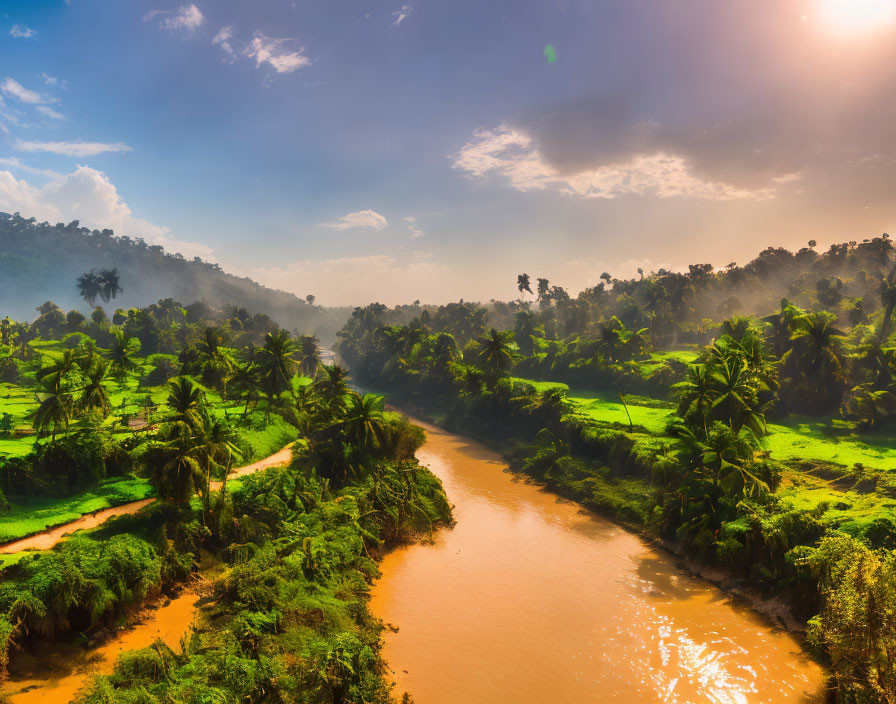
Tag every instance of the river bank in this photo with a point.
(289, 616)
(57, 671)
(529, 598)
(673, 635)
(775, 609)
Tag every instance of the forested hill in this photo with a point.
(40, 262)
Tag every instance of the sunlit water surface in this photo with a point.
(529, 599)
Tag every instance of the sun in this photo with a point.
(856, 16)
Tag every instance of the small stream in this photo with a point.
(54, 673)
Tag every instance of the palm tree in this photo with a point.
(179, 475)
(276, 365)
(816, 341)
(874, 354)
(497, 353)
(725, 455)
(93, 394)
(309, 356)
(694, 394)
(781, 327)
(364, 423)
(815, 365)
(55, 374)
(123, 351)
(444, 349)
(869, 406)
(245, 381)
(736, 327)
(736, 395)
(89, 286)
(219, 450)
(187, 400)
(54, 410)
(332, 384)
(109, 284)
(218, 366)
(524, 283)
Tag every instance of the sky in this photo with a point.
(432, 150)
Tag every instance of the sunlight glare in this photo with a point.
(857, 16)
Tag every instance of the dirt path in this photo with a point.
(52, 536)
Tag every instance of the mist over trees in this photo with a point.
(40, 262)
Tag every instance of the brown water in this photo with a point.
(48, 538)
(528, 600)
(55, 673)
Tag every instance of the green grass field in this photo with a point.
(30, 515)
(792, 438)
(847, 509)
(606, 407)
(260, 437)
(805, 438)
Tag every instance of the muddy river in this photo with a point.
(530, 600)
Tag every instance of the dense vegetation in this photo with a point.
(83, 399)
(654, 401)
(287, 621)
(40, 261)
(164, 401)
(760, 443)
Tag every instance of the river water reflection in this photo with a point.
(529, 600)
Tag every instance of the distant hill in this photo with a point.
(41, 262)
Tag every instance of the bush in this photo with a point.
(71, 462)
(857, 623)
(64, 466)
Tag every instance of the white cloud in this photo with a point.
(72, 148)
(20, 31)
(266, 50)
(510, 153)
(222, 39)
(361, 220)
(186, 19)
(412, 226)
(47, 111)
(401, 15)
(50, 80)
(11, 116)
(86, 195)
(361, 280)
(14, 163)
(12, 87)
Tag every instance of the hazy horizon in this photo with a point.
(433, 151)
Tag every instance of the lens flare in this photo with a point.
(857, 16)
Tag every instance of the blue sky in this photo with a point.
(401, 150)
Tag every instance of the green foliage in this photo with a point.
(857, 622)
(78, 584)
(289, 619)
